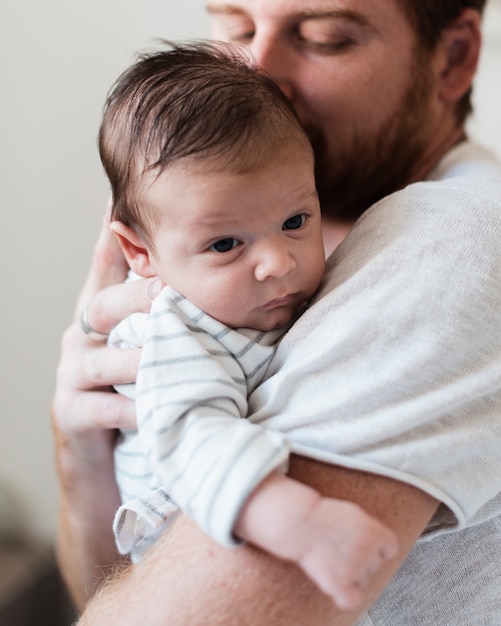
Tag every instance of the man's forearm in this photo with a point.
(85, 544)
(188, 578)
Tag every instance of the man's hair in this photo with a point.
(199, 101)
(429, 19)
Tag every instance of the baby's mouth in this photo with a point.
(278, 302)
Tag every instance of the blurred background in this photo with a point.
(58, 60)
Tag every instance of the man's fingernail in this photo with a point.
(155, 287)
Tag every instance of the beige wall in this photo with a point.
(58, 59)
(486, 122)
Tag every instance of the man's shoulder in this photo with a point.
(470, 188)
(467, 168)
(468, 171)
(431, 225)
(461, 199)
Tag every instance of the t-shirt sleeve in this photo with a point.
(396, 367)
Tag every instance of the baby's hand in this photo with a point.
(336, 544)
(343, 548)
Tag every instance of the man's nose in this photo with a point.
(273, 260)
(271, 54)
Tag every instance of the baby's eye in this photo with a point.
(224, 245)
(293, 223)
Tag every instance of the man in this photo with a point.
(382, 89)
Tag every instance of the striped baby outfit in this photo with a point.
(193, 449)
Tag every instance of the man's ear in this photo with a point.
(459, 49)
(136, 253)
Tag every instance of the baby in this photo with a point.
(214, 192)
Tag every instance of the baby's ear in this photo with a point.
(134, 249)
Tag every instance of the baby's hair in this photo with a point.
(202, 102)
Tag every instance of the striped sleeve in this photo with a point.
(191, 395)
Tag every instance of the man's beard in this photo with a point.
(372, 167)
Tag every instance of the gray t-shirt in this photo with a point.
(396, 370)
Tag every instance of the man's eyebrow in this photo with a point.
(340, 14)
(223, 9)
(311, 14)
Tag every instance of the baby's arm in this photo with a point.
(334, 542)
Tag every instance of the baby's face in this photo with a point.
(244, 247)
